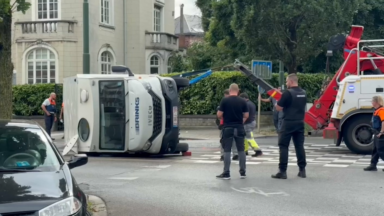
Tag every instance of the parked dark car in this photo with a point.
(35, 180)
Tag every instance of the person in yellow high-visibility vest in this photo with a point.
(249, 126)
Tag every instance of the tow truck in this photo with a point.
(343, 110)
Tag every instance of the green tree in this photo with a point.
(178, 63)
(292, 31)
(6, 66)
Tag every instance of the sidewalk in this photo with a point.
(96, 206)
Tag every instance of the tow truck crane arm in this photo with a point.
(274, 93)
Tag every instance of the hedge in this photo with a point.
(200, 98)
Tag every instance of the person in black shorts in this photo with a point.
(234, 111)
(293, 102)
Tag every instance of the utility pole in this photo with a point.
(86, 55)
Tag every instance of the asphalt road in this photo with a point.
(177, 185)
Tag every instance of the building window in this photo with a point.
(47, 9)
(157, 19)
(106, 62)
(155, 65)
(41, 66)
(107, 12)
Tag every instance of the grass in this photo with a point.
(91, 207)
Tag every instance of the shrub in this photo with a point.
(200, 98)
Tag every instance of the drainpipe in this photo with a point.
(181, 36)
(125, 33)
(86, 56)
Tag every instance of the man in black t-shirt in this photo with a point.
(234, 111)
(293, 102)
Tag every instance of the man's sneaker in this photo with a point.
(224, 176)
(280, 175)
(222, 158)
(302, 174)
(258, 153)
(236, 157)
(243, 176)
(370, 168)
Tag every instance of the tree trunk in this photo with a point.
(6, 67)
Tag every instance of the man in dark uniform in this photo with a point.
(234, 111)
(220, 123)
(49, 108)
(293, 102)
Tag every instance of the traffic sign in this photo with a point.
(262, 69)
(261, 90)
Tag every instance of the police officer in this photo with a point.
(293, 102)
(249, 127)
(49, 108)
(220, 124)
(234, 111)
(378, 128)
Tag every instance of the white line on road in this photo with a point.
(206, 161)
(124, 178)
(336, 165)
(159, 166)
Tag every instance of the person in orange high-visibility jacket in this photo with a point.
(220, 123)
(61, 115)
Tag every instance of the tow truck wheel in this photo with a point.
(357, 134)
(181, 82)
(182, 147)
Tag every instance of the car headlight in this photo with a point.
(65, 207)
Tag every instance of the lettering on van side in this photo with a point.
(137, 118)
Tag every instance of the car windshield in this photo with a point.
(26, 149)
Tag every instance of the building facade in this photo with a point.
(189, 29)
(48, 38)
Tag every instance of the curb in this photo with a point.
(99, 207)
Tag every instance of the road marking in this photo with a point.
(208, 155)
(336, 165)
(262, 159)
(250, 163)
(206, 161)
(124, 178)
(327, 159)
(344, 161)
(256, 190)
(159, 166)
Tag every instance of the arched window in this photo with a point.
(155, 64)
(41, 66)
(106, 60)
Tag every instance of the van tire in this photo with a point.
(181, 82)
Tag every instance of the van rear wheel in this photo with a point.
(357, 134)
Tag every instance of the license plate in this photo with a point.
(175, 116)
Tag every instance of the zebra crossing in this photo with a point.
(326, 155)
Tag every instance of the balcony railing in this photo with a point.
(161, 40)
(47, 27)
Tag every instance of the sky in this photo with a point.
(189, 7)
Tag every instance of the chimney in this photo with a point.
(181, 36)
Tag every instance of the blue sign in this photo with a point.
(262, 69)
(261, 90)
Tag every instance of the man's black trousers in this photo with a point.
(378, 149)
(295, 130)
